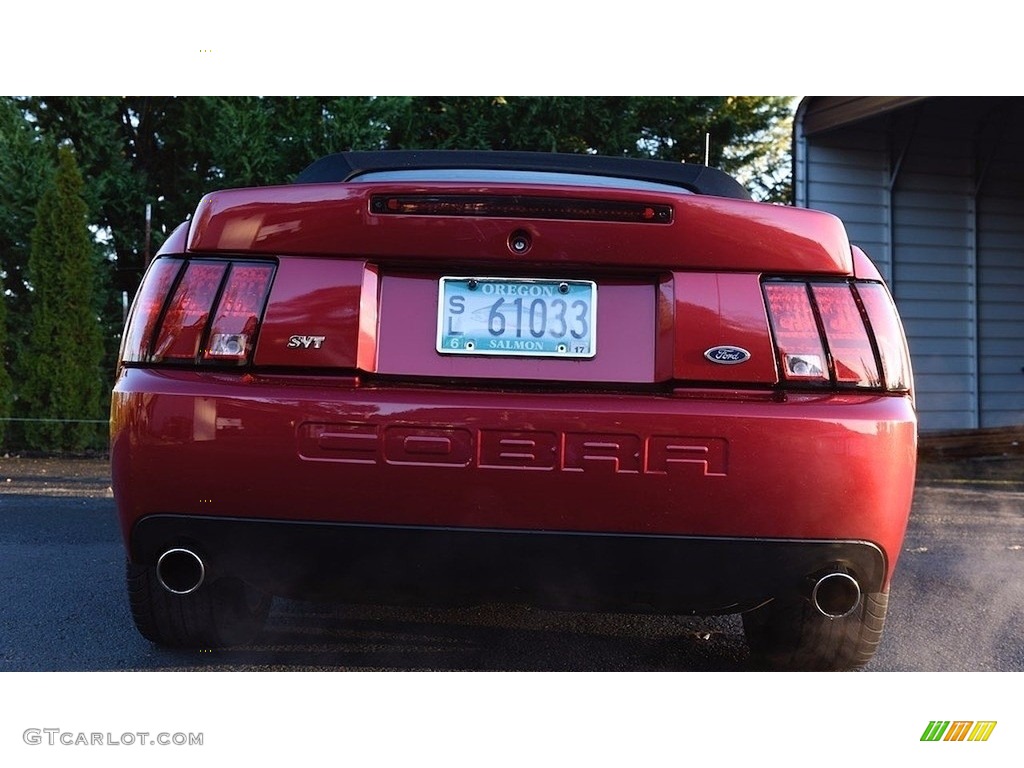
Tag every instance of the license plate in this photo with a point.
(513, 317)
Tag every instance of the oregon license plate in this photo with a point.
(525, 318)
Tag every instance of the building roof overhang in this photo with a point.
(817, 114)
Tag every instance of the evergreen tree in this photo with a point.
(27, 163)
(61, 376)
(6, 395)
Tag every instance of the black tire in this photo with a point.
(218, 614)
(793, 635)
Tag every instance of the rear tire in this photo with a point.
(225, 612)
(793, 635)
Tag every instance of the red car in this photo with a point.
(572, 381)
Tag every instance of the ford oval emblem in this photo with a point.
(727, 355)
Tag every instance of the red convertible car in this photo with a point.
(565, 380)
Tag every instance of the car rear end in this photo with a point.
(439, 378)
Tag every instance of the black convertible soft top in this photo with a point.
(346, 166)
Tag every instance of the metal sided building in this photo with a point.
(933, 190)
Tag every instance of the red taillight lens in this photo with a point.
(212, 315)
(238, 313)
(853, 357)
(796, 332)
(148, 304)
(885, 323)
(186, 317)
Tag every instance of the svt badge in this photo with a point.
(727, 355)
(306, 342)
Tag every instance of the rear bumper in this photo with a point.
(669, 477)
(449, 566)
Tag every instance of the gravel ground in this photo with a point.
(88, 477)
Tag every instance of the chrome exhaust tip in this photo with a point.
(180, 571)
(836, 594)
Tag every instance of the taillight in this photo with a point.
(238, 313)
(842, 333)
(206, 311)
(185, 320)
(797, 337)
(146, 312)
(889, 336)
(853, 358)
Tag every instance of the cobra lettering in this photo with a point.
(526, 450)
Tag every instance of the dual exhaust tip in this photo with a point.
(835, 594)
(180, 571)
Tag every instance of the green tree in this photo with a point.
(761, 158)
(62, 382)
(6, 391)
(659, 127)
(27, 161)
